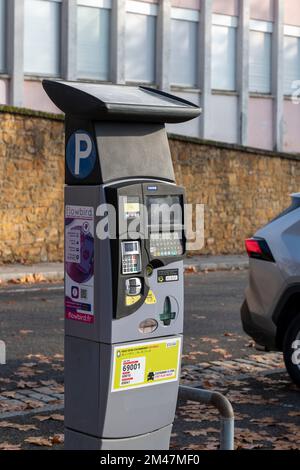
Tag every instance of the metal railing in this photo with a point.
(222, 404)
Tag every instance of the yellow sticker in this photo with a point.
(132, 299)
(145, 364)
(151, 299)
(132, 207)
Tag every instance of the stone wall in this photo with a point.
(241, 188)
(31, 185)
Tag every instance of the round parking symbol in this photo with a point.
(81, 154)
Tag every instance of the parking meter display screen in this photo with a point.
(164, 211)
(129, 247)
(165, 219)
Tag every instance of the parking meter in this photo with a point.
(123, 265)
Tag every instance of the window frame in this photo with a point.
(143, 9)
(229, 22)
(293, 32)
(39, 75)
(3, 35)
(265, 27)
(188, 16)
(99, 5)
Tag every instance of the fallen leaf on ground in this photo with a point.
(196, 433)
(30, 278)
(23, 384)
(54, 417)
(57, 439)
(223, 352)
(267, 421)
(9, 394)
(33, 404)
(9, 446)
(58, 388)
(209, 340)
(19, 427)
(39, 441)
(5, 380)
(47, 383)
(294, 413)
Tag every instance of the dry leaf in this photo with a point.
(22, 384)
(294, 413)
(223, 352)
(47, 383)
(209, 340)
(196, 433)
(9, 394)
(19, 427)
(33, 404)
(57, 439)
(9, 446)
(39, 441)
(55, 417)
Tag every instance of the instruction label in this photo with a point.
(132, 299)
(150, 299)
(146, 364)
(167, 275)
(79, 263)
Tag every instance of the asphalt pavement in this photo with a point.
(217, 355)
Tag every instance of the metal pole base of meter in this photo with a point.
(222, 404)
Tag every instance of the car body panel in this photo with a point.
(271, 282)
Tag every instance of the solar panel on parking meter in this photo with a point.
(124, 249)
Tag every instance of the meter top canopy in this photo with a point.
(119, 102)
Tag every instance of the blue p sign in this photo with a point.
(81, 154)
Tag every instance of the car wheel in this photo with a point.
(291, 350)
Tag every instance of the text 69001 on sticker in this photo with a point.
(146, 364)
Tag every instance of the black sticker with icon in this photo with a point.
(167, 275)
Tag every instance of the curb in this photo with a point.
(36, 273)
(204, 267)
(55, 271)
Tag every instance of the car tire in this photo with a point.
(291, 350)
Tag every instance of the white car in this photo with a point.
(271, 310)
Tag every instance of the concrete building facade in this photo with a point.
(238, 59)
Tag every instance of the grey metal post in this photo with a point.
(15, 54)
(277, 75)
(222, 404)
(118, 32)
(243, 70)
(69, 40)
(205, 33)
(163, 47)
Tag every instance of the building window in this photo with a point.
(260, 57)
(93, 39)
(2, 35)
(291, 59)
(42, 37)
(184, 47)
(224, 30)
(140, 42)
